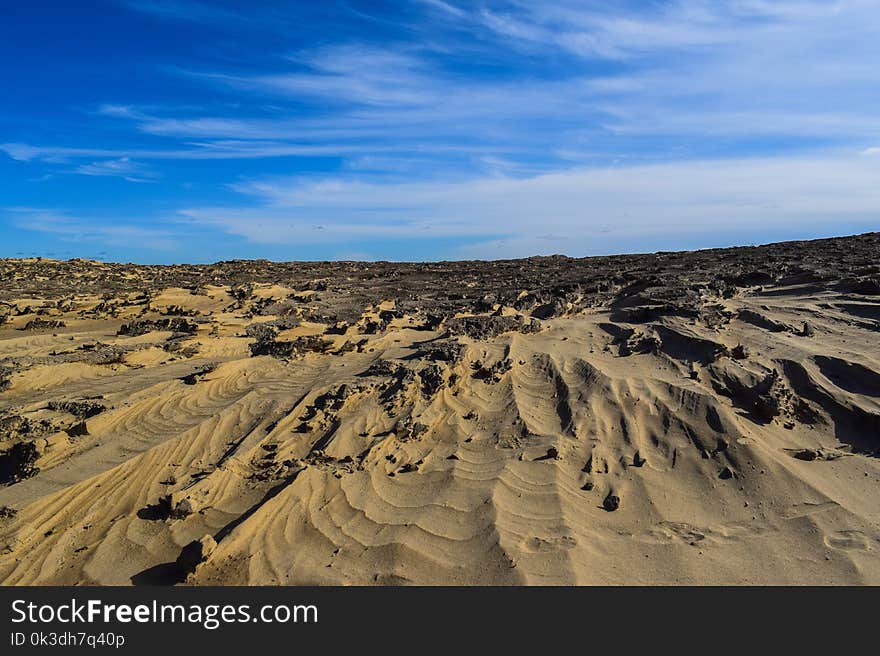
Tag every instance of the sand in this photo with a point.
(674, 418)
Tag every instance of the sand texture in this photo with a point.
(702, 418)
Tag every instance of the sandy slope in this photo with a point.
(679, 424)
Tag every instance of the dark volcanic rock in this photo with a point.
(43, 324)
(194, 554)
(611, 502)
(82, 409)
(642, 287)
(144, 326)
(18, 463)
(486, 327)
(5, 375)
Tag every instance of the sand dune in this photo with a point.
(708, 417)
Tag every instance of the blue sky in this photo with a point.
(171, 131)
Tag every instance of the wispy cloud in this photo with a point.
(123, 168)
(226, 149)
(75, 229)
(739, 69)
(576, 211)
(445, 7)
(590, 29)
(505, 122)
(188, 10)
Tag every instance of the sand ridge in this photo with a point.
(709, 417)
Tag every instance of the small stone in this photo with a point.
(195, 553)
(175, 505)
(78, 430)
(739, 352)
(611, 502)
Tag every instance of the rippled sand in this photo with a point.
(707, 418)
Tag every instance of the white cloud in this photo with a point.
(512, 96)
(123, 168)
(82, 230)
(689, 69)
(447, 7)
(593, 29)
(569, 211)
(226, 149)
